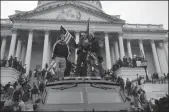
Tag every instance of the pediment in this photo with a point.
(70, 12)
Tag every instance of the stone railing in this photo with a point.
(6, 21)
(143, 26)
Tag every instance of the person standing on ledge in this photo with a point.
(59, 56)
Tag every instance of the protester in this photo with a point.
(17, 95)
(22, 106)
(127, 62)
(60, 53)
(12, 62)
(34, 92)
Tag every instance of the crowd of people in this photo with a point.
(160, 105)
(14, 63)
(155, 77)
(19, 94)
(127, 62)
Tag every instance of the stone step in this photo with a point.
(155, 90)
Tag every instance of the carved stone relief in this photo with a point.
(69, 14)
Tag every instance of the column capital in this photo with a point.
(106, 32)
(160, 44)
(101, 43)
(140, 39)
(47, 31)
(14, 30)
(165, 40)
(151, 40)
(93, 31)
(77, 31)
(31, 31)
(120, 34)
(128, 39)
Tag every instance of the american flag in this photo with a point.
(69, 38)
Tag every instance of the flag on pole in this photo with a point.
(88, 28)
(69, 39)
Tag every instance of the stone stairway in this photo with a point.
(155, 90)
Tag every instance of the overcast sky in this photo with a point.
(134, 12)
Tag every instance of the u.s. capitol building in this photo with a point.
(30, 35)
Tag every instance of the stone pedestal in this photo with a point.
(130, 73)
(9, 75)
(155, 90)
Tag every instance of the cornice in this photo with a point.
(144, 30)
(64, 21)
(113, 19)
(6, 25)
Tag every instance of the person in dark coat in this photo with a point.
(34, 92)
(83, 47)
(7, 87)
(124, 61)
(30, 73)
(4, 62)
(120, 63)
(10, 61)
(134, 62)
(41, 87)
(17, 95)
(46, 66)
(25, 96)
(43, 73)
(15, 63)
(61, 52)
(122, 84)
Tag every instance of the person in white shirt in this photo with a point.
(22, 105)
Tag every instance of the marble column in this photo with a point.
(107, 49)
(13, 42)
(3, 47)
(45, 49)
(122, 54)
(29, 51)
(23, 53)
(77, 33)
(156, 61)
(141, 47)
(116, 50)
(18, 49)
(49, 51)
(113, 54)
(129, 48)
(165, 42)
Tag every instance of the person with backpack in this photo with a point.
(17, 94)
(34, 92)
(41, 87)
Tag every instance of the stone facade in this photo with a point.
(30, 35)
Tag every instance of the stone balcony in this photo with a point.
(6, 21)
(130, 73)
(143, 26)
(9, 74)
